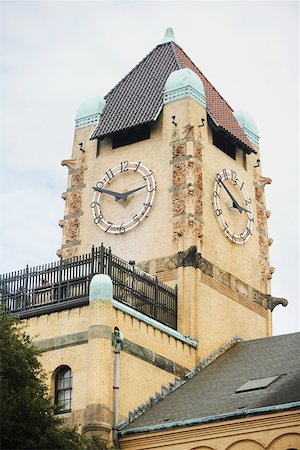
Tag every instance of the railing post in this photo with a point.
(26, 294)
(101, 258)
(92, 262)
(155, 299)
(59, 281)
(109, 269)
(176, 307)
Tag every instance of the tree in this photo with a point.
(27, 414)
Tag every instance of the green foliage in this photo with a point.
(27, 415)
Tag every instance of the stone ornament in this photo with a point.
(188, 131)
(77, 179)
(74, 202)
(261, 218)
(178, 151)
(197, 172)
(179, 199)
(67, 253)
(72, 230)
(262, 181)
(198, 153)
(198, 205)
(74, 163)
(175, 134)
(179, 174)
(264, 247)
(259, 196)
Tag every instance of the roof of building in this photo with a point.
(273, 365)
(138, 98)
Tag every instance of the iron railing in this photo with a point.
(64, 284)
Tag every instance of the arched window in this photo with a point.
(63, 390)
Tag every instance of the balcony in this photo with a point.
(65, 284)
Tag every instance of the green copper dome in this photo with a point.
(184, 83)
(248, 125)
(89, 112)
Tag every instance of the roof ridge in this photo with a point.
(137, 65)
(173, 45)
(165, 391)
(204, 76)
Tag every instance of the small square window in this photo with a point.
(257, 383)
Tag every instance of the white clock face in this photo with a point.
(123, 197)
(233, 206)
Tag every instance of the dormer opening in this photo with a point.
(225, 143)
(131, 135)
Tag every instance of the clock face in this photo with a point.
(123, 197)
(233, 206)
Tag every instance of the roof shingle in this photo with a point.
(138, 98)
(212, 391)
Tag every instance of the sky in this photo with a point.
(55, 54)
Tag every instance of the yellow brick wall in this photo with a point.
(92, 360)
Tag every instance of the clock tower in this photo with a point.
(165, 173)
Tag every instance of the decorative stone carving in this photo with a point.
(61, 223)
(197, 172)
(178, 150)
(179, 174)
(269, 272)
(266, 274)
(188, 258)
(264, 247)
(178, 230)
(222, 276)
(77, 179)
(190, 189)
(259, 195)
(198, 230)
(263, 180)
(270, 241)
(268, 214)
(74, 202)
(198, 135)
(64, 195)
(175, 134)
(164, 264)
(188, 131)
(241, 287)
(144, 266)
(72, 230)
(198, 204)
(190, 161)
(67, 253)
(261, 218)
(267, 301)
(179, 202)
(191, 219)
(74, 163)
(198, 152)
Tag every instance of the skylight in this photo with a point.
(257, 383)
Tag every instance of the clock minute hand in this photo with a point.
(234, 202)
(117, 195)
(132, 191)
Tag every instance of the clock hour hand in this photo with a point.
(234, 202)
(117, 195)
(132, 191)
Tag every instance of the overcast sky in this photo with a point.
(55, 54)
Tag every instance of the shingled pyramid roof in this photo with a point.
(138, 98)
